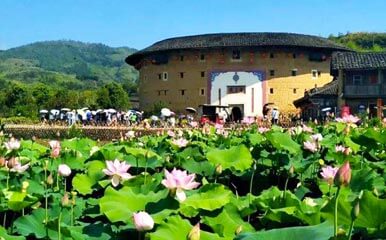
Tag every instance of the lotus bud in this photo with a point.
(343, 176)
(65, 200)
(347, 151)
(291, 170)
(2, 161)
(218, 169)
(73, 198)
(355, 211)
(33, 139)
(50, 179)
(239, 229)
(64, 170)
(25, 185)
(321, 162)
(194, 234)
(12, 162)
(143, 221)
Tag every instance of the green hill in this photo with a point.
(72, 64)
(55, 74)
(362, 41)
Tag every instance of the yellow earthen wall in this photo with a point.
(282, 83)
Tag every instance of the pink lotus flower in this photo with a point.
(55, 148)
(178, 181)
(342, 149)
(171, 133)
(317, 137)
(328, 173)
(19, 168)
(117, 171)
(143, 221)
(248, 120)
(343, 176)
(311, 146)
(64, 170)
(263, 130)
(348, 119)
(306, 128)
(181, 142)
(12, 144)
(193, 124)
(218, 126)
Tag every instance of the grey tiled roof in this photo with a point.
(330, 89)
(354, 60)
(222, 40)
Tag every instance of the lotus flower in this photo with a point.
(343, 175)
(181, 142)
(317, 137)
(263, 130)
(193, 124)
(12, 144)
(311, 146)
(64, 170)
(19, 168)
(171, 133)
(348, 119)
(178, 181)
(55, 148)
(130, 134)
(248, 120)
(328, 173)
(143, 221)
(194, 234)
(117, 171)
(306, 128)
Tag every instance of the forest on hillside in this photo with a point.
(56, 74)
(362, 41)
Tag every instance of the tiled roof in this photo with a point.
(354, 60)
(330, 89)
(222, 40)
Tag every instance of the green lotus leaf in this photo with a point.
(177, 228)
(316, 232)
(4, 235)
(237, 158)
(119, 205)
(208, 197)
(283, 141)
(83, 184)
(32, 224)
(227, 222)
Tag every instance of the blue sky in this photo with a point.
(138, 24)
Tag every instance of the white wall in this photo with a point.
(251, 80)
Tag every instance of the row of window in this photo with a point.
(236, 55)
(182, 92)
(315, 74)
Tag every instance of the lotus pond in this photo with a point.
(324, 182)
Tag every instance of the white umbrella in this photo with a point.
(166, 112)
(43, 111)
(65, 109)
(191, 110)
(84, 109)
(154, 118)
(54, 111)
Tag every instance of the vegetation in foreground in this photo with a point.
(209, 183)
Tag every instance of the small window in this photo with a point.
(159, 76)
(159, 92)
(294, 55)
(236, 55)
(271, 90)
(319, 73)
(181, 75)
(182, 91)
(202, 57)
(294, 91)
(357, 80)
(235, 89)
(271, 55)
(165, 76)
(271, 72)
(202, 74)
(202, 91)
(314, 74)
(182, 58)
(294, 72)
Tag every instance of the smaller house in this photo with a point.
(318, 102)
(361, 80)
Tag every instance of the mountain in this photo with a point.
(362, 41)
(68, 64)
